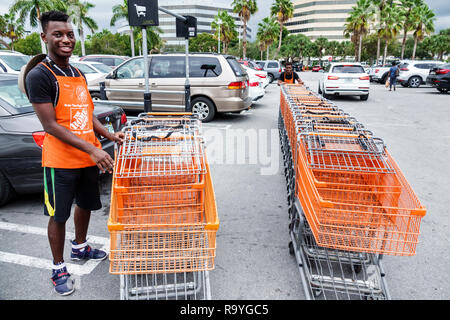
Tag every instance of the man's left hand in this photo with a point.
(118, 137)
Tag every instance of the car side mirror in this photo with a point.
(112, 75)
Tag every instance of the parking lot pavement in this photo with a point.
(253, 260)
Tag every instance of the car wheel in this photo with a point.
(6, 190)
(414, 82)
(204, 108)
(404, 84)
(271, 77)
(319, 91)
(96, 96)
(364, 97)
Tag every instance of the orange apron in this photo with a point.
(290, 81)
(74, 111)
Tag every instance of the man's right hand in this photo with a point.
(102, 159)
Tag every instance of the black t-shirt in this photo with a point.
(42, 85)
(284, 76)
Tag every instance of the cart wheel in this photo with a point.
(317, 293)
(291, 248)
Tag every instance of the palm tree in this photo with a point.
(406, 7)
(358, 24)
(391, 26)
(245, 9)
(380, 4)
(283, 10)
(33, 9)
(225, 27)
(11, 28)
(321, 43)
(267, 32)
(120, 11)
(422, 23)
(78, 11)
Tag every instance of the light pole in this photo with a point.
(220, 31)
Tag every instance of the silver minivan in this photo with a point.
(272, 67)
(218, 83)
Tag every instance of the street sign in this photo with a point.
(188, 28)
(142, 13)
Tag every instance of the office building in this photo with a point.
(320, 18)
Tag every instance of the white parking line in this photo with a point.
(76, 269)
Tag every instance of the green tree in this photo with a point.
(381, 5)
(204, 42)
(391, 26)
(79, 12)
(422, 19)
(11, 28)
(245, 9)
(32, 9)
(321, 43)
(267, 33)
(30, 45)
(225, 28)
(406, 9)
(283, 10)
(120, 11)
(358, 23)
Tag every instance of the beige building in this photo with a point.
(316, 18)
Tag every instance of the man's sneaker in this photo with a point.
(85, 252)
(62, 282)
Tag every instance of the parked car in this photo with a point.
(92, 70)
(414, 73)
(344, 79)
(297, 66)
(22, 135)
(381, 72)
(251, 64)
(273, 69)
(12, 61)
(109, 60)
(256, 84)
(316, 68)
(218, 83)
(439, 78)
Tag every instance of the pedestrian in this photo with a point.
(71, 154)
(394, 71)
(288, 76)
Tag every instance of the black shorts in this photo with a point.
(62, 186)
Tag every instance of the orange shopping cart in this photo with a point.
(163, 218)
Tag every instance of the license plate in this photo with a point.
(349, 80)
(110, 127)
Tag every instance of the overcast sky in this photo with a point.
(102, 12)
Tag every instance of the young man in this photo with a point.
(289, 76)
(71, 154)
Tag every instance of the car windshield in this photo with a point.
(13, 99)
(102, 67)
(348, 69)
(83, 68)
(15, 62)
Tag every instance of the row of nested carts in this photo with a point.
(163, 218)
(349, 203)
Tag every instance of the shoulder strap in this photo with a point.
(48, 68)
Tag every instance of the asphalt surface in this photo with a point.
(253, 261)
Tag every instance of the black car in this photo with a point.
(22, 135)
(439, 78)
(297, 66)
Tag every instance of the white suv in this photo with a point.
(12, 61)
(414, 73)
(344, 79)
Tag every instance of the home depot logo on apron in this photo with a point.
(74, 111)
